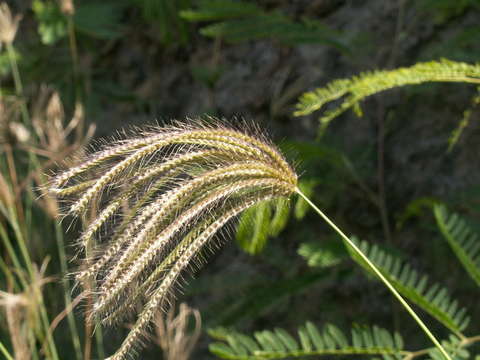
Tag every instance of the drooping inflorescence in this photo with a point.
(152, 202)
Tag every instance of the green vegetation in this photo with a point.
(404, 178)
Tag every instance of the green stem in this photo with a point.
(379, 274)
(66, 293)
(15, 72)
(32, 342)
(30, 270)
(22, 244)
(73, 45)
(72, 40)
(4, 351)
(17, 80)
(7, 272)
(11, 252)
(99, 340)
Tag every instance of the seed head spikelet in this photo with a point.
(118, 279)
(173, 198)
(155, 201)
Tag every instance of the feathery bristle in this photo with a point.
(173, 189)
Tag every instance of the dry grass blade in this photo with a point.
(173, 333)
(158, 199)
(8, 24)
(22, 311)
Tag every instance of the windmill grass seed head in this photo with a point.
(152, 202)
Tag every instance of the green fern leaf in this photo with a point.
(287, 339)
(461, 238)
(248, 342)
(100, 19)
(315, 335)
(444, 10)
(260, 222)
(281, 214)
(464, 122)
(454, 347)
(270, 26)
(223, 351)
(244, 21)
(305, 340)
(434, 299)
(252, 231)
(279, 344)
(215, 10)
(322, 255)
(338, 337)
(237, 346)
(357, 88)
(165, 16)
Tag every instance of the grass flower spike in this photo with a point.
(155, 201)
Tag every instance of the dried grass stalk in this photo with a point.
(22, 311)
(173, 334)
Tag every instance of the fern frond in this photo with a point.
(281, 213)
(464, 242)
(359, 87)
(279, 344)
(454, 346)
(164, 14)
(464, 122)
(270, 26)
(252, 230)
(243, 21)
(434, 299)
(323, 255)
(215, 10)
(260, 222)
(444, 10)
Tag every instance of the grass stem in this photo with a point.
(66, 292)
(5, 353)
(17, 80)
(379, 274)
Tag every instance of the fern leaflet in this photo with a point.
(322, 254)
(359, 87)
(211, 10)
(454, 346)
(463, 241)
(261, 221)
(279, 344)
(236, 21)
(434, 299)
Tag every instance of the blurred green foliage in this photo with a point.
(164, 16)
(445, 10)
(237, 21)
(52, 24)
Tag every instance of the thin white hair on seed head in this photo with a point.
(156, 201)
